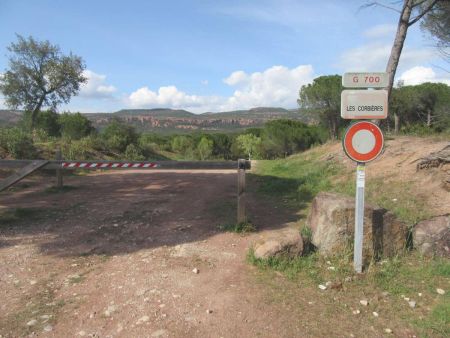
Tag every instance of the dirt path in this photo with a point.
(114, 257)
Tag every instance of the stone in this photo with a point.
(332, 222)
(412, 304)
(32, 322)
(440, 291)
(364, 302)
(322, 287)
(286, 242)
(195, 270)
(159, 333)
(143, 319)
(432, 236)
(208, 311)
(48, 328)
(387, 330)
(375, 314)
(356, 312)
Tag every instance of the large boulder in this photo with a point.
(332, 222)
(286, 242)
(432, 236)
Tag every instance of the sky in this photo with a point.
(214, 55)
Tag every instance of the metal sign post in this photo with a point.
(359, 216)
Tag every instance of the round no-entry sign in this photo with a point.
(363, 141)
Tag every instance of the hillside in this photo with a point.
(178, 121)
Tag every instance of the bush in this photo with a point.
(133, 153)
(47, 123)
(118, 136)
(75, 126)
(17, 143)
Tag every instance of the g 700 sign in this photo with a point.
(365, 80)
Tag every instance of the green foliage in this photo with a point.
(83, 149)
(133, 153)
(205, 148)
(249, 143)
(118, 136)
(324, 95)
(75, 126)
(40, 75)
(17, 143)
(46, 121)
(240, 228)
(184, 145)
(281, 138)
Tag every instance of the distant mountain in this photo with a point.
(179, 121)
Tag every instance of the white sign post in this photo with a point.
(363, 141)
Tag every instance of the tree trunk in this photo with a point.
(35, 111)
(429, 118)
(400, 37)
(396, 123)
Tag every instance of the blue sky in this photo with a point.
(214, 55)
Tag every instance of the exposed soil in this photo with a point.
(114, 257)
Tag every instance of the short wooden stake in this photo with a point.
(59, 174)
(241, 218)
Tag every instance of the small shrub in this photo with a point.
(17, 143)
(133, 153)
(240, 228)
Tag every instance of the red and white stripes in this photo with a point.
(109, 165)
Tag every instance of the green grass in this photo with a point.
(240, 228)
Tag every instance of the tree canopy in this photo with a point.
(39, 75)
(324, 95)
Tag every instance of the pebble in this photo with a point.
(322, 287)
(440, 291)
(143, 319)
(364, 302)
(48, 328)
(332, 268)
(82, 333)
(32, 322)
(356, 312)
(375, 314)
(412, 304)
(420, 294)
(195, 270)
(159, 333)
(327, 284)
(32, 282)
(208, 311)
(388, 330)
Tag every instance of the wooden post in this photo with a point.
(59, 174)
(241, 218)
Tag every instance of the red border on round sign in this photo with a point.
(352, 130)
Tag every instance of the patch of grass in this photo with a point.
(296, 179)
(57, 190)
(240, 228)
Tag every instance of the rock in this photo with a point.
(143, 319)
(432, 236)
(364, 302)
(322, 287)
(159, 333)
(440, 291)
(32, 322)
(412, 304)
(33, 282)
(375, 314)
(196, 271)
(356, 312)
(281, 242)
(332, 219)
(110, 310)
(387, 330)
(48, 328)
(82, 333)
(208, 311)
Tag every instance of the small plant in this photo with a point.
(240, 228)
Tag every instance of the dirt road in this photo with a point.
(114, 257)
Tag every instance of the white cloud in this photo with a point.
(96, 86)
(419, 74)
(374, 57)
(380, 31)
(204, 82)
(275, 86)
